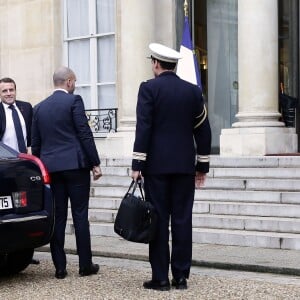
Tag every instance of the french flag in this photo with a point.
(187, 66)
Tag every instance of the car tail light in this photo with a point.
(20, 199)
(36, 234)
(44, 171)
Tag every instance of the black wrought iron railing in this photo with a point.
(102, 121)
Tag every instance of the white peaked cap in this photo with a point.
(164, 53)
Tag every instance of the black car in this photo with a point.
(26, 209)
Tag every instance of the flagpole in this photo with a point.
(187, 66)
(186, 8)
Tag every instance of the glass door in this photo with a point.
(288, 22)
(215, 39)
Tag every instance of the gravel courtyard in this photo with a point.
(121, 279)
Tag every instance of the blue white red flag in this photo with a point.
(187, 66)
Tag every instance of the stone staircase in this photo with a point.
(248, 201)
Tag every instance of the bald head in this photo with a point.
(64, 78)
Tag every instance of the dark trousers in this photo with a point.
(172, 196)
(73, 185)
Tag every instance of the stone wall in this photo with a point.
(31, 45)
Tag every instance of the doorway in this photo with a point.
(215, 40)
(288, 40)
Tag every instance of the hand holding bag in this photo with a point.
(136, 218)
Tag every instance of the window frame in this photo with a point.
(93, 38)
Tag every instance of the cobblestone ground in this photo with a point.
(124, 281)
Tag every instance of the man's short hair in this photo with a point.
(61, 75)
(165, 64)
(8, 80)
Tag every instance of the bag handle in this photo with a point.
(134, 185)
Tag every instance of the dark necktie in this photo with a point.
(18, 129)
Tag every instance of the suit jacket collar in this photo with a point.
(2, 120)
(16, 103)
(20, 106)
(167, 73)
(61, 90)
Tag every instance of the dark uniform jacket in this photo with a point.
(172, 132)
(26, 111)
(61, 136)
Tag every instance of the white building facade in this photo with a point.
(246, 49)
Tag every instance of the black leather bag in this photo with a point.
(136, 218)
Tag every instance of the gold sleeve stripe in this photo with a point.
(202, 117)
(139, 155)
(203, 158)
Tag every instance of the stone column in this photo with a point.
(134, 31)
(258, 131)
(138, 24)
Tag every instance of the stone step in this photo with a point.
(257, 184)
(113, 201)
(273, 185)
(216, 161)
(108, 191)
(102, 215)
(267, 224)
(279, 173)
(225, 172)
(220, 207)
(251, 223)
(105, 202)
(116, 171)
(96, 229)
(255, 162)
(218, 236)
(98, 215)
(248, 196)
(246, 238)
(228, 208)
(116, 162)
(247, 201)
(124, 181)
(108, 183)
(111, 183)
(248, 209)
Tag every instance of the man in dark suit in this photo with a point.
(63, 140)
(172, 133)
(24, 109)
(8, 133)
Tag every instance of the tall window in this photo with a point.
(89, 41)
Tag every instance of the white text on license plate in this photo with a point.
(5, 202)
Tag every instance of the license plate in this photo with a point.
(5, 202)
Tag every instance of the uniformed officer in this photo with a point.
(171, 151)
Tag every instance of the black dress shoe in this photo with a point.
(157, 285)
(90, 270)
(61, 274)
(180, 283)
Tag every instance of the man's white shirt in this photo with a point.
(10, 137)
